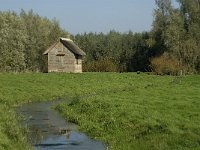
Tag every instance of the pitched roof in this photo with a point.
(48, 49)
(70, 45)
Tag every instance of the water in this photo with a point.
(47, 130)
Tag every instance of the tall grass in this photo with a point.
(141, 112)
(125, 110)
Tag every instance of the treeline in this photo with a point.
(171, 47)
(23, 39)
(115, 51)
(176, 36)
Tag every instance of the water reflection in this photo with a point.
(47, 130)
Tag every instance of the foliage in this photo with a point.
(101, 65)
(42, 33)
(176, 31)
(12, 52)
(127, 51)
(167, 64)
(24, 38)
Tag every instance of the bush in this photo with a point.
(167, 65)
(101, 65)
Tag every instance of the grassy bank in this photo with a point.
(127, 111)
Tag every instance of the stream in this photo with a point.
(47, 130)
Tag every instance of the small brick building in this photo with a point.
(64, 56)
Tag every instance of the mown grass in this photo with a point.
(127, 110)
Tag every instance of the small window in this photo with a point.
(76, 57)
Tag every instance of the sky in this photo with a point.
(79, 16)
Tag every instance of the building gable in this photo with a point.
(63, 56)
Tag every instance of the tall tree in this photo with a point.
(41, 34)
(12, 40)
(160, 24)
(190, 10)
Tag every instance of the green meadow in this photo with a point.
(124, 110)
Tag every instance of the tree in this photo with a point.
(177, 31)
(12, 40)
(42, 33)
(160, 24)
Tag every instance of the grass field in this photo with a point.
(127, 110)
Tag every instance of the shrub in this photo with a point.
(167, 64)
(101, 65)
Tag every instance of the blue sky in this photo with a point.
(79, 16)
